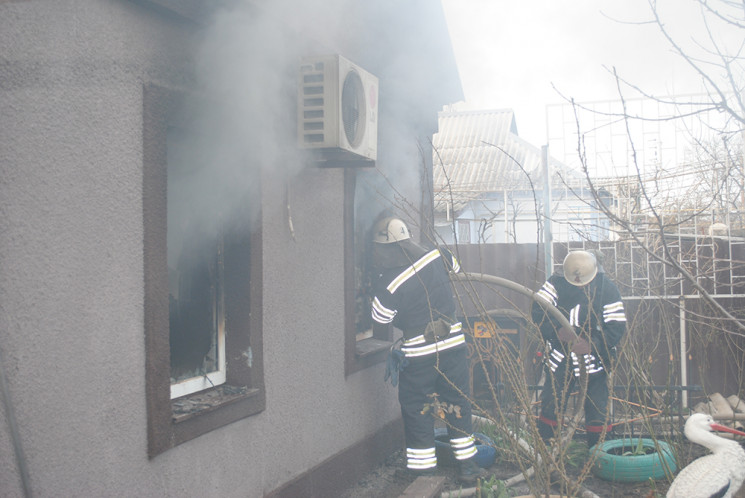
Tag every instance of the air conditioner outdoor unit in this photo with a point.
(338, 110)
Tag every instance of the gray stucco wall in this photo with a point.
(71, 278)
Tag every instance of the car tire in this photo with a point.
(612, 466)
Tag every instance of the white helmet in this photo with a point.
(390, 230)
(580, 267)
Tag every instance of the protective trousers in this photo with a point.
(417, 382)
(556, 390)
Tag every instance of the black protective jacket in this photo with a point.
(595, 310)
(409, 297)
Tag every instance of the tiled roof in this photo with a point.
(479, 152)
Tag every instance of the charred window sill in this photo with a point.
(368, 347)
(196, 404)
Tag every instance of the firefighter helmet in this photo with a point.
(390, 230)
(580, 267)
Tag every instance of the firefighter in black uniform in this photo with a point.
(413, 293)
(592, 304)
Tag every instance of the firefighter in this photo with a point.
(413, 293)
(592, 304)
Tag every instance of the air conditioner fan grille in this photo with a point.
(353, 108)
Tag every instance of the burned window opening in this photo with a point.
(366, 342)
(363, 279)
(196, 272)
(196, 311)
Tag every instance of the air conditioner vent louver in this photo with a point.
(337, 109)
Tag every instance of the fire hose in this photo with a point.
(514, 286)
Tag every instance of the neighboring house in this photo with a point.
(489, 185)
(179, 280)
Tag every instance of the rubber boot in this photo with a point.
(545, 431)
(592, 439)
(469, 471)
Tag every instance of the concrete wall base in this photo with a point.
(339, 472)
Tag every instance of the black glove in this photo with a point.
(396, 362)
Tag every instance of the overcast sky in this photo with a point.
(512, 53)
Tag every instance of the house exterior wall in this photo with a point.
(71, 275)
(71, 244)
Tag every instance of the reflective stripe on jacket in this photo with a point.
(555, 358)
(417, 346)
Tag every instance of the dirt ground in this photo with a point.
(390, 479)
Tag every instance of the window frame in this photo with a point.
(243, 394)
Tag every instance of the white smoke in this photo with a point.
(249, 61)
